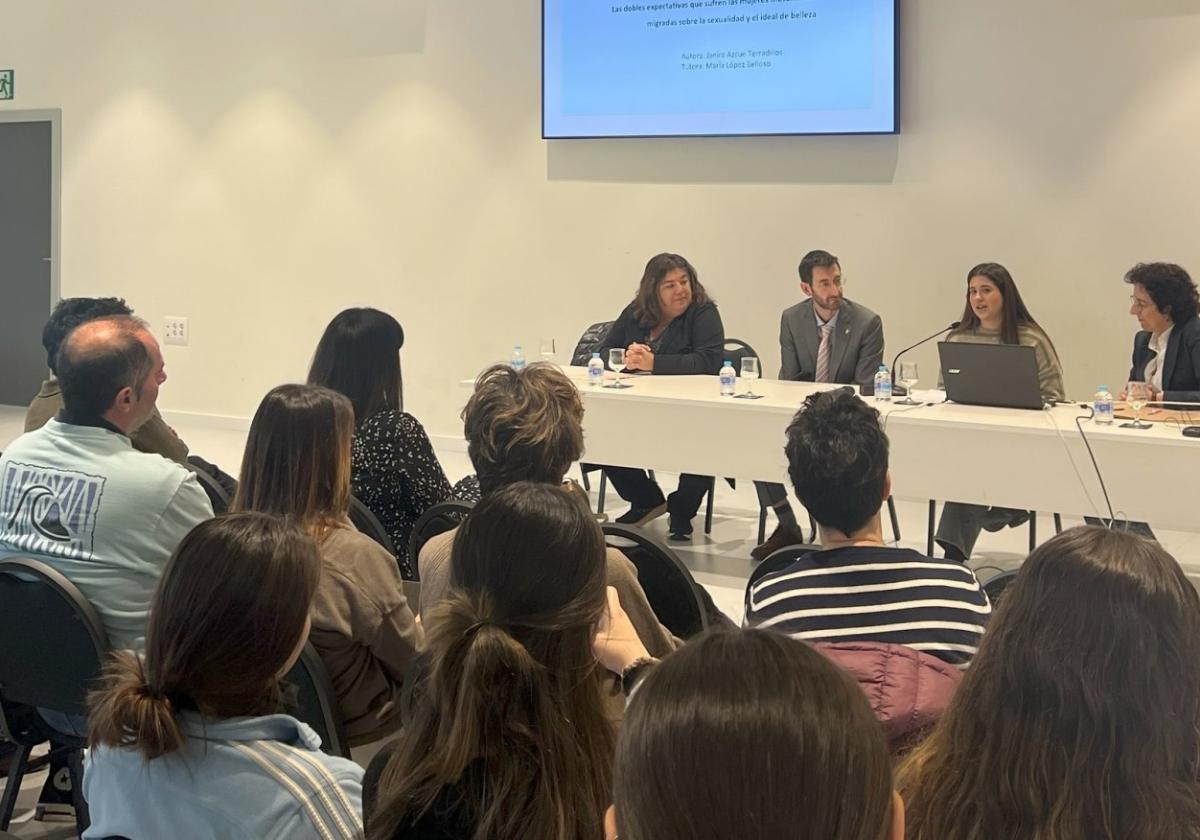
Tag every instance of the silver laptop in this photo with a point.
(1003, 375)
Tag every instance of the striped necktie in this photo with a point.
(823, 353)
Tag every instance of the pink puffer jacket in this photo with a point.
(908, 690)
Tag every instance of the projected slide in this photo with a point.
(694, 67)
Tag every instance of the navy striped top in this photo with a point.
(878, 594)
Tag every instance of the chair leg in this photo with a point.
(653, 477)
(762, 524)
(812, 529)
(1058, 523)
(587, 485)
(603, 487)
(16, 772)
(932, 525)
(1032, 530)
(895, 519)
(708, 510)
(82, 817)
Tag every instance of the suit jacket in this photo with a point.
(1181, 368)
(857, 350)
(692, 343)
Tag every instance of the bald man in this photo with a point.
(77, 495)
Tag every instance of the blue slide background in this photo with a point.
(610, 74)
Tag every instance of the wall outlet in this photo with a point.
(175, 330)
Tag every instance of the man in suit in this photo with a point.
(824, 338)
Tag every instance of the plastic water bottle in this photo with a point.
(518, 358)
(728, 379)
(1102, 406)
(595, 370)
(883, 385)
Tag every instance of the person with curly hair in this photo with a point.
(1166, 351)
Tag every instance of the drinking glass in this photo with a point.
(616, 361)
(547, 349)
(1137, 394)
(749, 373)
(908, 378)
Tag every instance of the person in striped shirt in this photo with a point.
(191, 742)
(856, 588)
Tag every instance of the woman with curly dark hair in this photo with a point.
(1166, 352)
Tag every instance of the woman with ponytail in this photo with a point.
(191, 742)
(509, 737)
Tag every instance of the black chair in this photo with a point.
(52, 648)
(670, 588)
(368, 523)
(778, 560)
(221, 502)
(998, 584)
(442, 517)
(316, 702)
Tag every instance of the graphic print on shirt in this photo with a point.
(49, 511)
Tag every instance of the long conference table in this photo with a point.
(1017, 458)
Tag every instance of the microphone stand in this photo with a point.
(896, 358)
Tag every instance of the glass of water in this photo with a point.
(749, 373)
(909, 377)
(547, 349)
(616, 361)
(1137, 394)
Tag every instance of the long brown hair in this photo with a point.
(297, 459)
(1013, 309)
(752, 735)
(229, 611)
(646, 306)
(1079, 718)
(523, 425)
(511, 717)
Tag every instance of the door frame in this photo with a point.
(54, 117)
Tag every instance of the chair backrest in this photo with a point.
(998, 584)
(212, 488)
(442, 517)
(591, 341)
(778, 560)
(368, 523)
(736, 350)
(670, 588)
(316, 703)
(52, 643)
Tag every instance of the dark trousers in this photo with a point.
(636, 487)
(774, 496)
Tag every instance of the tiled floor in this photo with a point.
(720, 561)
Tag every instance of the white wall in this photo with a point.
(258, 166)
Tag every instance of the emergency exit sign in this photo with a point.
(6, 84)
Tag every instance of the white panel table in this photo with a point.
(991, 456)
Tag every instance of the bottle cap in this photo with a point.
(729, 362)
(596, 354)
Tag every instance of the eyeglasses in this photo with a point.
(1138, 305)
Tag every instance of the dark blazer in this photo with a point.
(857, 350)
(1181, 368)
(692, 343)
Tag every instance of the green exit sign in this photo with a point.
(6, 84)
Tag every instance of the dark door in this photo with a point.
(25, 267)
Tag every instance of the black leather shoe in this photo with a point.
(680, 529)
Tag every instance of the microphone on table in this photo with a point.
(902, 390)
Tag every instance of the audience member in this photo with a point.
(527, 426)
(824, 338)
(509, 738)
(76, 494)
(192, 742)
(394, 470)
(751, 735)
(671, 327)
(995, 314)
(857, 588)
(1080, 717)
(297, 464)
